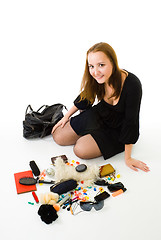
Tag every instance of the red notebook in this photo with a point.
(23, 188)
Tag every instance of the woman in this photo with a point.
(112, 125)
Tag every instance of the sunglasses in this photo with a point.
(87, 206)
(112, 187)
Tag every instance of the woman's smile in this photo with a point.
(100, 66)
(99, 77)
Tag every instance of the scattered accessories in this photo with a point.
(101, 182)
(32, 181)
(81, 168)
(64, 200)
(63, 157)
(115, 186)
(87, 173)
(23, 188)
(112, 187)
(49, 198)
(76, 195)
(34, 168)
(47, 213)
(106, 170)
(66, 172)
(64, 187)
(40, 123)
(35, 197)
(118, 192)
(50, 172)
(101, 196)
(87, 206)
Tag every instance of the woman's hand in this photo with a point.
(136, 164)
(65, 119)
(61, 123)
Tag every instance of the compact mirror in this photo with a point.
(81, 168)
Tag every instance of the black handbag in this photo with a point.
(38, 124)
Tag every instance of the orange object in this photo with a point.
(71, 210)
(118, 192)
(23, 188)
(83, 199)
(43, 173)
(57, 207)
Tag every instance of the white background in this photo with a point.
(43, 48)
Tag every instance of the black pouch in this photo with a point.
(40, 123)
(115, 186)
(64, 187)
(101, 196)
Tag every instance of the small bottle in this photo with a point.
(118, 192)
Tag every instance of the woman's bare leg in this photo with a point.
(65, 136)
(87, 148)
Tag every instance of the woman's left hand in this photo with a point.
(136, 164)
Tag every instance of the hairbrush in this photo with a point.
(33, 181)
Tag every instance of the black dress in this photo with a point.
(112, 126)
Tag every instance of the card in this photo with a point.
(64, 157)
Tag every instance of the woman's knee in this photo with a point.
(86, 148)
(79, 150)
(57, 136)
(65, 136)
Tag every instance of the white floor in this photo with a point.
(43, 47)
(132, 215)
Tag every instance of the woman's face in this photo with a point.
(100, 67)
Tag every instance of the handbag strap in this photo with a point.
(31, 109)
(65, 107)
(29, 106)
(42, 107)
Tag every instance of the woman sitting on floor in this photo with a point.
(112, 125)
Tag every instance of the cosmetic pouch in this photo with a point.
(64, 187)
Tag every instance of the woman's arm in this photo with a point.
(65, 119)
(133, 163)
(73, 110)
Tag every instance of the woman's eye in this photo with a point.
(90, 66)
(101, 65)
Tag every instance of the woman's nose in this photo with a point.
(96, 71)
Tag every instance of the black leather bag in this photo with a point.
(38, 124)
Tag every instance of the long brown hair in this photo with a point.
(90, 89)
